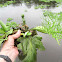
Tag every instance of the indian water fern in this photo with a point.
(28, 43)
(29, 47)
(52, 25)
(9, 19)
(5, 4)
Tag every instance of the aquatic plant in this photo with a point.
(27, 43)
(9, 19)
(25, 11)
(52, 25)
(51, 0)
(7, 3)
(1, 5)
(42, 6)
(10, 2)
(27, 2)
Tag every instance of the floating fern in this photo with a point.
(29, 47)
(52, 25)
(28, 42)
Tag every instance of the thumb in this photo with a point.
(15, 36)
(11, 39)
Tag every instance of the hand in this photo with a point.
(9, 49)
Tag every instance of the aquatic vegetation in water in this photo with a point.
(42, 6)
(10, 2)
(9, 19)
(59, 5)
(52, 25)
(27, 43)
(25, 10)
(1, 5)
(51, 0)
(7, 3)
(27, 2)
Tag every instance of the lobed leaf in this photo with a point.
(40, 29)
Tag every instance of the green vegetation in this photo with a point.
(52, 25)
(42, 6)
(9, 19)
(51, 0)
(7, 3)
(25, 11)
(10, 2)
(27, 2)
(28, 42)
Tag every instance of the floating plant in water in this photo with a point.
(52, 25)
(27, 43)
(9, 19)
(42, 6)
(7, 3)
(51, 0)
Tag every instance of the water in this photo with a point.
(33, 17)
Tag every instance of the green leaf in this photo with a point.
(53, 24)
(2, 31)
(29, 46)
(4, 27)
(5, 35)
(37, 42)
(27, 33)
(10, 2)
(1, 37)
(22, 15)
(19, 46)
(31, 53)
(10, 32)
(23, 19)
(12, 24)
(20, 39)
(1, 42)
(40, 29)
(9, 19)
(38, 37)
(25, 45)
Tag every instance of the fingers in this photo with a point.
(11, 38)
(10, 42)
(17, 35)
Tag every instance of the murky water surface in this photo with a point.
(33, 17)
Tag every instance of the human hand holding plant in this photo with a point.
(28, 43)
(8, 48)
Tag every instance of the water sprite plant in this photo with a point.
(42, 6)
(7, 3)
(52, 25)
(51, 0)
(27, 43)
(9, 19)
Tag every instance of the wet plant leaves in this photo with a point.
(4, 27)
(40, 29)
(53, 24)
(29, 47)
(7, 3)
(2, 31)
(9, 19)
(28, 42)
